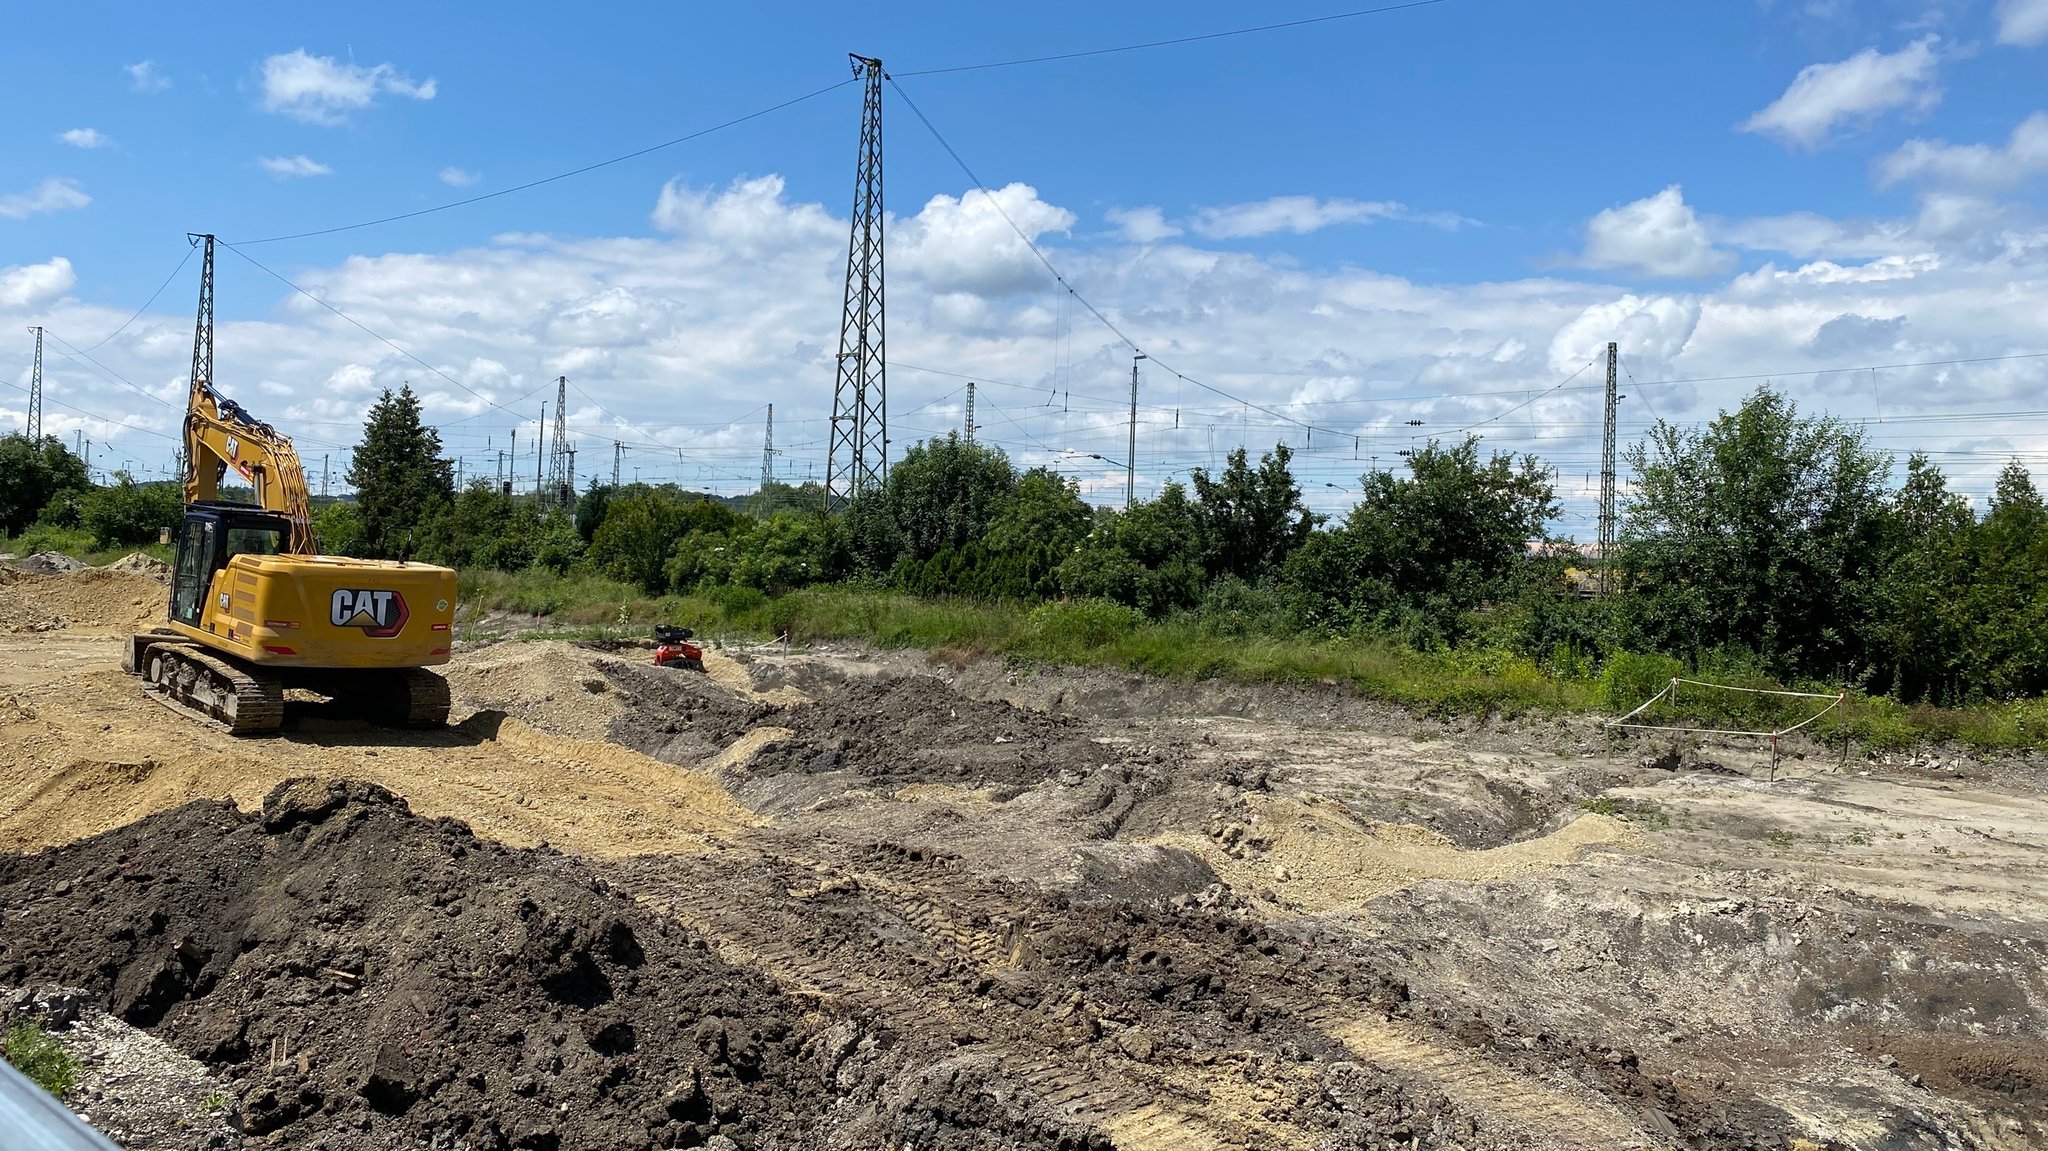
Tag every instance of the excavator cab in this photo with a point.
(213, 534)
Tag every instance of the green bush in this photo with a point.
(39, 1057)
(45, 538)
(1630, 678)
(1084, 623)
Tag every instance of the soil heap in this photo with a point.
(362, 975)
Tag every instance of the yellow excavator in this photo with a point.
(256, 610)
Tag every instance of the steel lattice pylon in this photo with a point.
(858, 456)
(35, 392)
(1607, 517)
(561, 485)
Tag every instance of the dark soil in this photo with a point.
(365, 978)
(916, 729)
(678, 716)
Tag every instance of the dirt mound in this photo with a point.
(362, 975)
(1317, 856)
(89, 599)
(916, 729)
(141, 564)
(49, 563)
(554, 686)
(680, 716)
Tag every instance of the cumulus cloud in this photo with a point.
(1981, 166)
(1146, 225)
(55, 194)
(1851, 91)
(458, 178)
(146, 78)
(87, 138)
(294, 167)
(2022, 22)
(968, 245)
(29, 286)
(679, 336)
(323, 90)
(1301, 215)
(1658, 235)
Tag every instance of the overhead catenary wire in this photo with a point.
(530, 184)
(1059, 277)
(189, 249)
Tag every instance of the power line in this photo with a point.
(1062, 280)
(367, 329)
(700, 133)
(146, 303)
(1176, 40)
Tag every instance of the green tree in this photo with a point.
(1418, 553)
(33, 474)
(1250, 521)
(1148, 557)
(125, 513)
(642, 526)
(1044, 509)
(942, 494)
(1761, 532)
(1919, 633)
(401, 482)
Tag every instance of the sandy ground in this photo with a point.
(1170, 915)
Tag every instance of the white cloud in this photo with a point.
(2023, 22)
(293, 167)
(1656, 236)
(146, 78)
(1301, 215)
(1146, 225)
(1973, 165)
(323, 90)
(1851, 91)
(734, 302)
(87, 138)
(55, 194)
(458, 178)
(29, 286)
(968, 245)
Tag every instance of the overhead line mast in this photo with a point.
(561, 484)
(35, 391)
(856, 459)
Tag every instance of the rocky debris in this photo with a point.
(133, 1087)
(49, 563)
(141, 564)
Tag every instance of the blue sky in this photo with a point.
(1339, 221)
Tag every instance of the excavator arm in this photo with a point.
(219, 435)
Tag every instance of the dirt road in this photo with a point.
(977, 909)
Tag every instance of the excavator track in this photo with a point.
(427, 700)
(205, 687)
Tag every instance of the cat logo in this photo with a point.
(381, 614)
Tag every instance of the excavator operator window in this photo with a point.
(194, 570)
(253, 541)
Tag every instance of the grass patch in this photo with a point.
(75, 543)
(39, 1057)
(1474, 680)
(1647, 812)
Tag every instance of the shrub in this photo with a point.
(39, 1057)
(1084, 622)
(1630, 678)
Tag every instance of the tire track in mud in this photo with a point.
(1088, 1093)
(953, 956)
